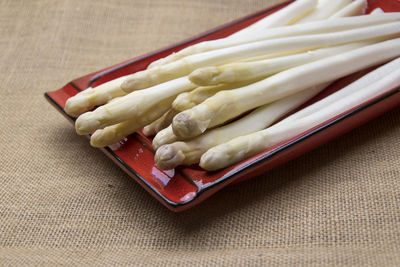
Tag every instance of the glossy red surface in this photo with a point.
(187, 186)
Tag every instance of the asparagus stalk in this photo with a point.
(186, 101)
(377, 11)
(231, 103)
(114, 133)
(186, 153)
(131, 106)
(286, 16)
(347, 91)
(88, 99)
(190, 99)
(355, 8)
(165, 136)
(337, 24)
(282, 17)
(242, 71)
(246, 146)
(185, 66)
(92, 97)
(161, 123)
(325, 9)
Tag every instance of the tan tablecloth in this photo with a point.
(62, 201)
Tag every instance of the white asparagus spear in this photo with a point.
(377, 11)
(130, 106)
(355, 8)
(282, 17)
(186, 101)
(350, 89)
(190, 99)
(242, 71)
(115, 133)
(286, 16)
(362, 82)
(325, 9)
(99, 95)
(188, 64)
(165, 136)
(334, 25)
(231, 103)
(186, 153)
(161, 123)
(246, 146)
(92, 97)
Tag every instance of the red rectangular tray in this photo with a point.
(187, 186)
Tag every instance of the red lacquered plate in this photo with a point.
(187, 186)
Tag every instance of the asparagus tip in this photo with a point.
(165, 136)
(76, 105)
(149, 130)
(85, 124)
(98, 139)
(133, 84)
(204, 76)
(209, 162)
(182, 102)
(167, 157)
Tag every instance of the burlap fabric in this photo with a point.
(63, 202)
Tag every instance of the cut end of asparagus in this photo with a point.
(85, 124)
(167, 157)
(184, 127)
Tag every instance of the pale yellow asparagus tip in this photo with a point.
(163, 137)
(161, 123)
(149, 130)
(227, 74)
(76, 105)
(92, 97)
(167, 157)
(203, 76)
(139, 81)
(85, 124)
(210, 161)
(114, 133)
(182, 102)
(222, 155)
(105, 137)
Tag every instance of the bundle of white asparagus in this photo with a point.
(216, 102)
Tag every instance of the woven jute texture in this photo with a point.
(63, 202)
